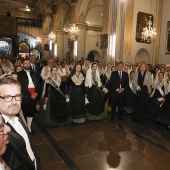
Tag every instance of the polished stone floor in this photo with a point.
(104, 145)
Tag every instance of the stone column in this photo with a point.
(128, 30)
(158, 20)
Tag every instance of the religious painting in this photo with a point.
(71, 44)
(104, 41)
(142, 22)
(168, 39)
(46, 47)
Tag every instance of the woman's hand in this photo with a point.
(105, 90)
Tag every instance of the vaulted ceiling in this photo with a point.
(18, 8)
(28, 8)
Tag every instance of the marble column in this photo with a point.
(116, 29)
(158, 20)
(128, 31)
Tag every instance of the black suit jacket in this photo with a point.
(37, 70)
(23, 79)
(115, 81)
(16, 155)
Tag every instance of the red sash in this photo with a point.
(31, 90)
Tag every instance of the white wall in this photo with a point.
(91, 39)
(147, 6)
(81, 44)
(164, 58)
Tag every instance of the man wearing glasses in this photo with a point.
(19, 154)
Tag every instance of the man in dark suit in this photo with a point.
(19, 154)
(35, 67)
(29, 83)
(119, 81)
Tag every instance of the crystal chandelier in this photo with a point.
(73, 29)
(38, 39)
(148, 33)
(51, 36)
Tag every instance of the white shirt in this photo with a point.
(63, 72)
(30, 82)
(20, 130)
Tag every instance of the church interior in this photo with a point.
(103, 31)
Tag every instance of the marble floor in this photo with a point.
(103, 145)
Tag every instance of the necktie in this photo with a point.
(33, 67)
(120, 74)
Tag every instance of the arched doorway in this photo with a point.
(93, 56)
(142, 55)
(36, 52)
(6, 46)
(24, 49)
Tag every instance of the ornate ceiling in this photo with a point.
(28, 8)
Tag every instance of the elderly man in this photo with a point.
(119, 82)
(19, 154)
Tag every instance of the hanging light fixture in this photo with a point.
(148, 33)
(73, 31)
(38, 39)
(52, 36)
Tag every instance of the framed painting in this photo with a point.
(104, 41)
(142, 22)
(46, 47)
(167, 51)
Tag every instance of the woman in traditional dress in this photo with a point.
(155, 73)
(1, 73)
(108, 70)
(55, 109)
(141, 87)
(94, 92)
(158, 95)
(77, 95)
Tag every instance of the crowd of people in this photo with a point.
(74, 93)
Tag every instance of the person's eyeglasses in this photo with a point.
(17, 97)
(2, 126)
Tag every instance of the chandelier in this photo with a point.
(38, 39)
(51, 36)
(148, 33)
(73, 29)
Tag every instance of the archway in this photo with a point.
(142, 55)
(36, 52)
(6, 46)
(24, 49)
(93, 56)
